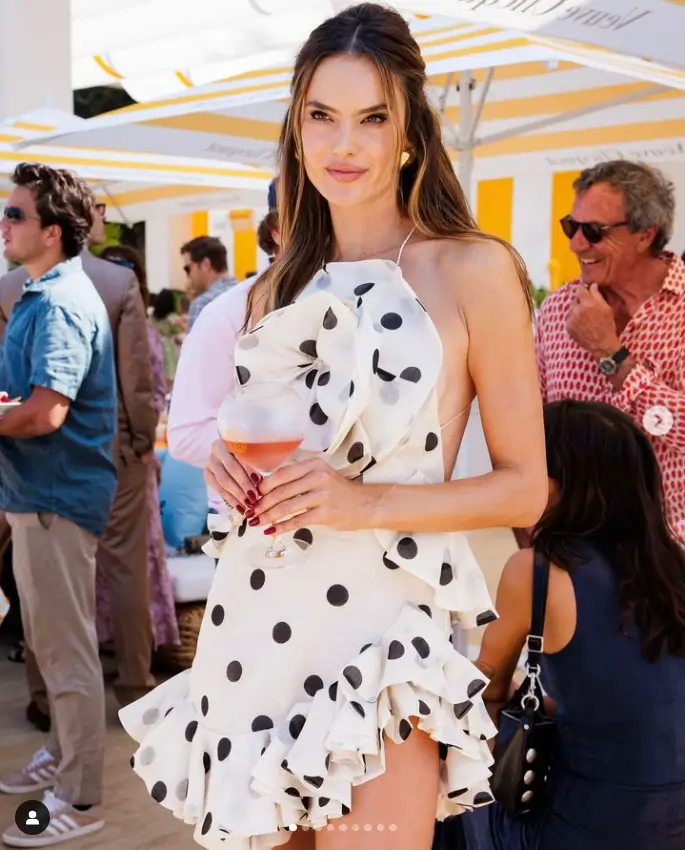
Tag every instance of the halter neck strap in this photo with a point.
(404, 245)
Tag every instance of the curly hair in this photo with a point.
(62, 199)
(649, 195)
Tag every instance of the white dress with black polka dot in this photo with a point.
(301, 672)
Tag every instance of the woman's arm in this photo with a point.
(504, 639)
(501, 361)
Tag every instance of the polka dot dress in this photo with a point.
(302, 673)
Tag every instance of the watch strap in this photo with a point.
(621, 355)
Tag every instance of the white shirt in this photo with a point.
(205, 375)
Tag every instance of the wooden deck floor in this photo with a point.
(134, 822)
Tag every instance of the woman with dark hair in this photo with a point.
(329, 694)
(614, 642)
(163, 609)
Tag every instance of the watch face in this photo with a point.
(608, 366)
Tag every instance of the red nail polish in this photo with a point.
(240, 509)
(249, 513)
(252, 496)
(254, 522)
(256, 477)
(271, 530)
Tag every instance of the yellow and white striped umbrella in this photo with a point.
(218, 39)
(531, 97)
(135, 185)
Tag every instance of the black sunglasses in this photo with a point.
(591, 230)
(15, 215)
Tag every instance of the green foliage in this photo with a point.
(539, 293)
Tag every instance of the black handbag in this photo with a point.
(526, 741)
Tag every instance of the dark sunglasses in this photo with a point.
(15, 215)
(591, 230)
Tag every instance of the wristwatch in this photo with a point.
(609, 365)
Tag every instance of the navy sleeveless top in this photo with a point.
(621, 722)
(619, 779)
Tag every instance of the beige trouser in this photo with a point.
(122, 559)
(54, 568)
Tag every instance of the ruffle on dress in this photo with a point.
(242, 792)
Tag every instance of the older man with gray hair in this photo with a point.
(617, 333)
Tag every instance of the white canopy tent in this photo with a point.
(500, 95)
(217, 39)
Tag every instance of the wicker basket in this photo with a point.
(189, 615)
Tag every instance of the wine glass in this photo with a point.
(262, 425)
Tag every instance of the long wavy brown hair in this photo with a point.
(428, 191)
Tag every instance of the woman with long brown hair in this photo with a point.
(328, 695)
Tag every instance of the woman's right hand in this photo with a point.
(237, 485)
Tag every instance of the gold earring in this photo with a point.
(404, 159)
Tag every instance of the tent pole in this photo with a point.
(465, 127)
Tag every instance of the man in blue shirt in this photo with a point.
(57, 482)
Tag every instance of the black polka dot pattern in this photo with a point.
(257, 579)
(461, 709)
(282, 633)
(485, 618)
(243, 374)
(424, 709)
(353, 676)
(206, 762)
(358, 708)
(312, 685)
(421, 646)
(355, 453)
(475, 687)
(317, 415)
(482, 798)
(411, 374)
(308, 347)
(207, 823)
(405, 729)
(296, 725)
(391, 565)
(446, 575)
(407, 548)
(363, 288)
(218, 615)
(330, 320)
(204, 706)
(431, 441)
(223, 749)
(391, 321)
(426, 610)
(262, 723)
(234, 671)
(158, 792)
(303, 537)
(395, 650)
(337, 595)
(191, 729)
(333, 691)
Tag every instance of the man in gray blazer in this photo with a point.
(122, 555)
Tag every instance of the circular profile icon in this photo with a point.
(32, 817)
(658, 420)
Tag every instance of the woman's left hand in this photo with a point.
(316, 493)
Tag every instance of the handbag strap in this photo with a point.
(535, 642)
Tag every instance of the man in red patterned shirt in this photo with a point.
(617, 333)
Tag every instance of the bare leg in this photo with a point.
(301, 840)
(399, 806)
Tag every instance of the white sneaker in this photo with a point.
(38, 775)
(66, 823)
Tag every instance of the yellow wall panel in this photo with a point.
(563, 265)
(494, 206)
(244, 243)
(200, 223)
